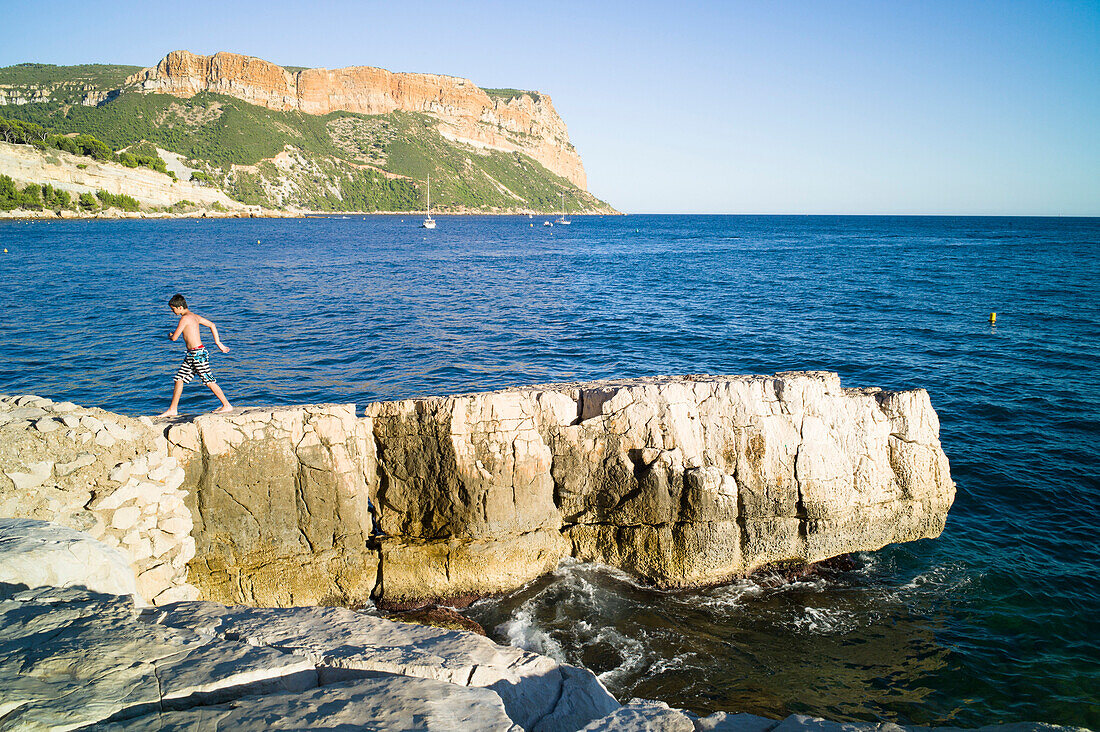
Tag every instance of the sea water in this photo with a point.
(995, 621)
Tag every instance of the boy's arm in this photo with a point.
(176, 334)
(214, 329)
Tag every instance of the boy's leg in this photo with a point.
(177, 390)
(226, 406)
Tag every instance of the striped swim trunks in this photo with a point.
(196, 363)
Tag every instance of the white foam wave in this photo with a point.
(942, 578)
(522, 632)
(633, 652)
(570, 568)
(825, 621)
(869, 563)
(729, 596)
(679, 663)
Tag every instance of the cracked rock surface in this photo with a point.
(280, 504)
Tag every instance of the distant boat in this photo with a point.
(547, 223)
(428, 222)
(562, 220)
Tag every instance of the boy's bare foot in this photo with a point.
(223, 409)
(169, 413)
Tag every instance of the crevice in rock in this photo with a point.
(214, 697)
(641, 467)
(579, 402)
(383, 484)
(378, 589)
(304, 516)
(626, 498)
(160, 686)
(899, 438)
(554, 705)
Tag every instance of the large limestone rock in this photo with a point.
(537, 692)
(280, 504)
(694, 481)
(102, 473)
(681, 481)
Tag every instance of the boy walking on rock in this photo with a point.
(197, 361)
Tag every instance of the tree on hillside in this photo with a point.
(13, 131)
(93, 147)
(9, 196)
(31, 197)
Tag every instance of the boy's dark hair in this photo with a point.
(177, 301)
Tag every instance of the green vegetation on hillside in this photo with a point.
(34, 197)
(509, 94)
(68, 83)
(218, 129)
(467, 177)
(29, 133)
(126, 203)
(339, 161)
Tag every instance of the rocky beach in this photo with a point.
(217, 558)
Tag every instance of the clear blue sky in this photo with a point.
(710, 107)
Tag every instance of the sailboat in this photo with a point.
(428, 222)
(562, 220)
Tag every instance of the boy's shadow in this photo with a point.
(175, 419)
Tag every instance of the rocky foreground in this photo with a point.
(683, 481)
(77, 653)
(137, 557)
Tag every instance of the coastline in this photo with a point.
(114, 214)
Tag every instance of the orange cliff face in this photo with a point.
(527, 123)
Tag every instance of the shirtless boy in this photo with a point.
(198, 359)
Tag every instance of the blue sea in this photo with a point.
(996, 621)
